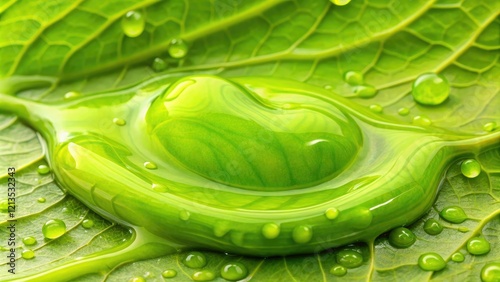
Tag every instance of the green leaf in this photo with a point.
(49, 48)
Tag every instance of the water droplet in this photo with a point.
(453, 214)
(463, 229)
(271, 230)
(403, 111)
(150, 165)
(490, 126)
(137, 279)
(340, 2)
(119, 121)
(203, 275)
(4, 205)
(353, 77)
(338, 270)
(221, 228)
(402, 237)
(53, 229)
(71, 95)
(365, 91)
(234, 271)
(362, 218)
(159, 65)
(332, 213)
(43, 169)
(376, 108)
(169, 273)
(87, 223)
(432, 227)
(422, 121)
(133, 24)
(177, 49)
(29, 241)
(349, 258)
(491, 272)
(41, 200)
(431, 262)
(184, 215)
(430, 89)
(195, 260)
(159, 188)
(478, 246)
(470, 168)
(457, 257)
(28, 254)
(302, 234)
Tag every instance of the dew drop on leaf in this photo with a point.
(353, 77)
(349, 258)
(270, 230)
(340, 2)
(133, 24)
(28, 254)
(491, 272)
(203, 275)
(53, 229)
(365, 91)
(87, 223)
(169, 273)
(490, 126)
(184, 215)
(376, 108)
(41, 200)
(150, 165)
(195, 260)
(332, 213)
(403, 111)
(431, 262)
(432, 227)
(430, 89)
(457, 257)
(119, 121)
(177, 49)
(470, 168)
(478, 246)
(159, 188)
(71, 95)
(453, 214)
(338, 270)
(361, 218)
(159, 64)
(402, 237)
(29, 241)
(302, 234)
(233, 271)
(43, 169)
(422, 121)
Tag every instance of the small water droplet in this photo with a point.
(43, 169)
(119, 121)
(338, 270)
(184, 215)
(349, 258)
(365, 91)
(28, 254)
(376, 108)
(470, 168)
(340, 2)
(431, 262)
(133, 24)
(203, 275)
(332, 213)
(159, 64)
(491, 272)
(195, 260)
(402, 237)
(177, 49)
(221, 228)
(463, 229)
(403, 111)
(71, 95)
(150, 165)
(361, 218)
(430, 89)
(4, 206)
(87, 223)
(271, 230)
(41, 200)
(478, 246)
(302, 234)
(490, 126)
(432, 227)
(53, 229)
(29, 241)
(422, 121)
(328, 87)
(169, 273)
(453, 214)
(159, 188)
(457, 257)
(233, 271)
(353, 77)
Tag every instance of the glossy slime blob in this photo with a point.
(252, 166)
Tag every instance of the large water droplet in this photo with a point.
(453, 214)
(361, 218)
(53, 229)
(430, 89)
(349, 258)
(402, 237)
(431, 262)
(470, 168)
(271, 230)
(302, 234)
(195, 260)
(432, 227)
(233, 271)
(332, 213)
(491, 272)
(338, 270)
(133, 24)
(43, 169)
(177, 49)
(478, 246)
(169, 273)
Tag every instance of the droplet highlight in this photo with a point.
(365, 91)
(403, 111)
(421, 121)
(361, 218)
(150, 165)
(43, 170)
(41, 200)
(71, 95)
(457, 257)
(491, 272)
(159, 188)
(203, 275)
(349, 258)
(353, 77)
(29, 241)
(184, 215)
(177, 49)
(302, 234)
(332, 213)
(338, 270)
(430, 89)
(431, 262)
(432, 227)
(270, 230)
(453, 214)
(53, 229)
(133, 24)
(159, 64)
(470, 168)
(169, 273)
(233, 271)
(490, 126)
(478, 246)
(119, 121)
(87, 223)
(402, 237)
(28, 254)
(195, 260)
(376, 108)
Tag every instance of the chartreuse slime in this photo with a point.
(253, 166)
